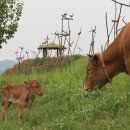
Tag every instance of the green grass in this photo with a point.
(65, 105)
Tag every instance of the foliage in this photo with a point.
(10, 13)
(65, 105)
(41, 65)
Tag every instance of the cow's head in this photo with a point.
(35, 86)
(95, 76)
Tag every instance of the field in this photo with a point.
(65, 105)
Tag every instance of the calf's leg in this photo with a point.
(31, 109)
(5, 109)
(21, 109)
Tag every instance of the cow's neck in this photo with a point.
(112, 60)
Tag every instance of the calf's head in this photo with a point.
(35, 86)
(95, 76)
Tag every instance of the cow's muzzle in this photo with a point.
(87, 86)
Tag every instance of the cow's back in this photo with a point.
(125, 39)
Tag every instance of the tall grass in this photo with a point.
(65, 105)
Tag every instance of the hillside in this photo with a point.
(41, 65)
(5, 64)
(65, 105)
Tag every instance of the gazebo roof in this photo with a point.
(51, 46)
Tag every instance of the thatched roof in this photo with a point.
(51, 46)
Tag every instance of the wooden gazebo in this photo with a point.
(51, 46)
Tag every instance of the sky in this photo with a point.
(43, 17)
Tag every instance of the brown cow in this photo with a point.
(23, 95)
(114, 60)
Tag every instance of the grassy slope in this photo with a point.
(65, 106)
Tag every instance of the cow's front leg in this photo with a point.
(21, 109)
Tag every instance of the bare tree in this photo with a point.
(109, 33)
(36, 54)
(116, 22)
(77, 41)
(30, 64)
(79, 50)
(91, 49)
(19, 56)
(117, 19)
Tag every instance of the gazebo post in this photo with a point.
(44, 53)
(60, 52)
(57, 52)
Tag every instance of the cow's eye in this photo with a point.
(88, 70)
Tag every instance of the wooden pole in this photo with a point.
(118, 20)
(77, 41)
(91, 50)
(121, 3)
(115, 20)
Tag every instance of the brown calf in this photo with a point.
(23, 95)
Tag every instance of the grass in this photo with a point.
(65, 105)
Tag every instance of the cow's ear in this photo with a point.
(90, 55)
(96, 59)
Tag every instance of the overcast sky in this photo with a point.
(43, 17)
